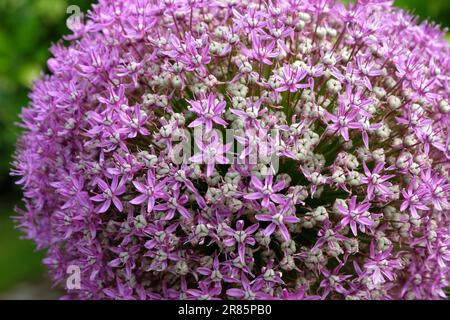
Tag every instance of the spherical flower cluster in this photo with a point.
(242, 149)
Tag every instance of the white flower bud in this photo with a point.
(334, 249)
(340, 202)
(390, 82)
(334, 86)
(444, 107)
(353, 178)
(287, 263)
(404, 160)
(214, 179)
(320, 214)
(338, 176)
(213, 195)
(304, 16)
(432, 236)
(410, 140)
(176, 81)
(201, 230)
(321, 32)
(308, 222)
(262, 239)
(351, 162)
(394, 102)
(383, 132)
(300, 25)
(351, 245)
(329, 59)
(332, 32)
(414, 168)
(289, 247)
(181, 268)
(166, 131)
(379, 92)
(269, 275)
(140, 222)
(378, 155)
(397, 143)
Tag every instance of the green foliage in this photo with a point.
(18, 259)
(27, 29)
(434, 10)
(437, 11)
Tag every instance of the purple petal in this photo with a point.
(139, 199)
(236, 293)
(269, 229)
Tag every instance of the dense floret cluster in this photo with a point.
(203, 149)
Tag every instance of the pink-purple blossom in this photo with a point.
(285, 149)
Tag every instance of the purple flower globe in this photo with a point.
(225, 149)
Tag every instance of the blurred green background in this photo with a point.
(27, 29)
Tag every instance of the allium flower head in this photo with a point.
(285, 149)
